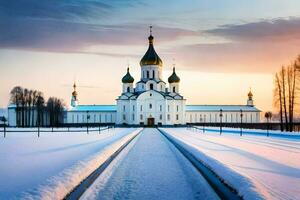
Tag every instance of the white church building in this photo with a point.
(152, 101)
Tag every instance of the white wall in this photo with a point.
(214, 117)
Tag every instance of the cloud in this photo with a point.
(65, 26)
(56, 35)
(62, 10)
(268, 30)
(254, 47)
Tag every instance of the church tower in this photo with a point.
(250, 99)
(127, 81)
(174, 82)
(74, 99)
(151, 69)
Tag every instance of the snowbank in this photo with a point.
(50, 166)
(257, 132)
(258, 167)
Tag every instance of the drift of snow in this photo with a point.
(258, 167)
(50, 166)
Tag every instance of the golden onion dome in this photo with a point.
(174, 78)
(151, 57)
(74, 93)
(250, 94)
(127, 78)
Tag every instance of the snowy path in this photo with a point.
(32, 167)
(151, 168)
(255, 165)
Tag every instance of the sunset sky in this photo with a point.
(221, 48)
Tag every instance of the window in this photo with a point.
(124, 117)
(147, 74)
(177, 108)
(124, 108)
(174, 89)
(168, 108)
(151, 86)
(153, 74)
(128, 89)
(133, 117)
(177, 117)
(168, 117)
(160, 117)
(160, 108)
(150, 106)
(141, 117)
(141, 108)
(133, 108)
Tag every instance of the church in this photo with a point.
(151, 101)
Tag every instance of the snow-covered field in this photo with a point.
(50, 166)
(258, 167)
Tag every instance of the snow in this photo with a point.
(150, 168)
(258, 167)
(50, 166)
(256, 132)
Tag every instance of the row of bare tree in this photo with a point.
(286, 94)
(33, 110)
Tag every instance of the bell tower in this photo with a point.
(250, 99)
(74, 99)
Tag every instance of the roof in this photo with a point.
(151, 57)
(127, 78)
(174, 78)
(216, 108)
(91, 108)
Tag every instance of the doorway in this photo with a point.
(150, 121)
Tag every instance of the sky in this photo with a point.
(220, 48)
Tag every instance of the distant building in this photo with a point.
(154, 102)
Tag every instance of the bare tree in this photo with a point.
(278, 98)
(15, 98)
(287, 87)
(55, 109)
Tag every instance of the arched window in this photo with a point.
(148, 74)
(150, 106)
(173, 89)
(128, 89)
(151, 86)
(153, 74)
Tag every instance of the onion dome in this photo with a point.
(127, 78)
(174, 78)
(250, 95)
(151, 57)
(74, 93)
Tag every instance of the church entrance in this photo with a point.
(150, 121)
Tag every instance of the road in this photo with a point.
(150, 168)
